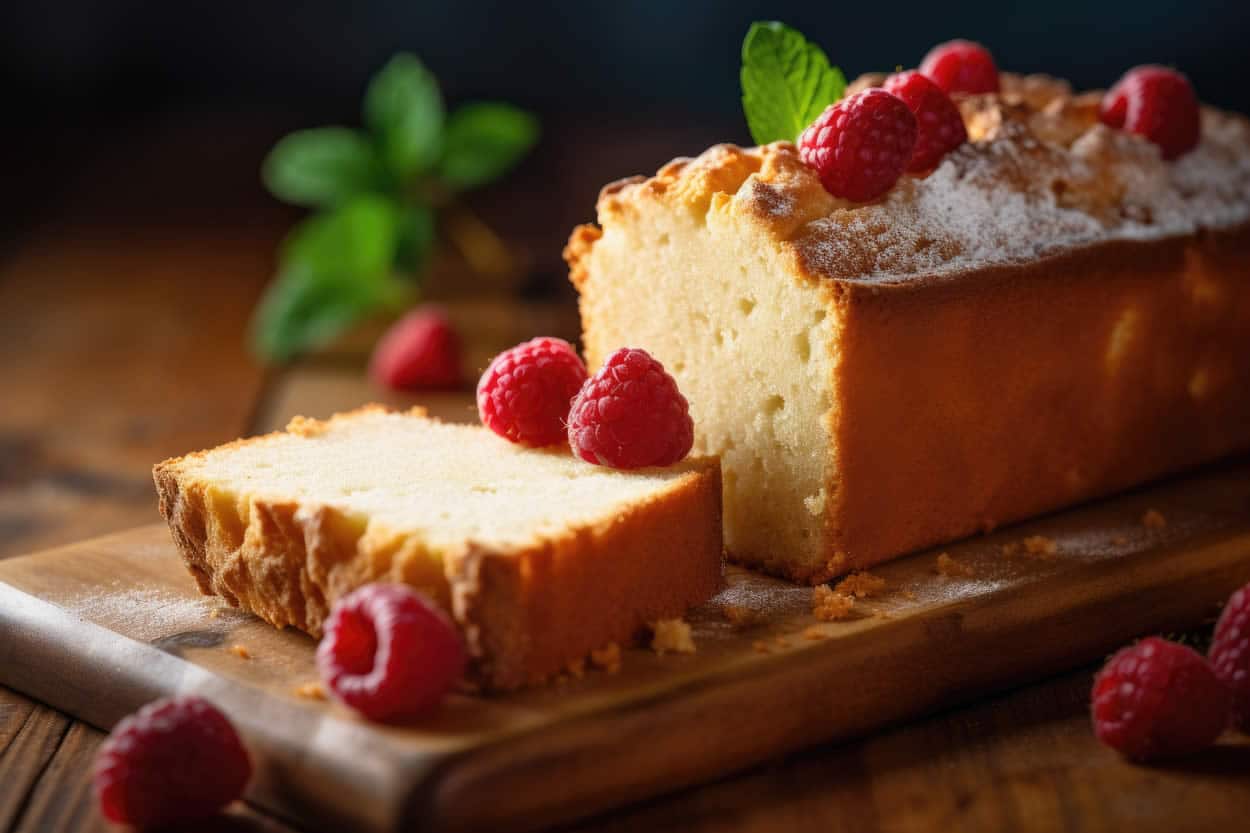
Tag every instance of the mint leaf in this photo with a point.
(356, 239)
(483, 140)
(335, 269)
(415, 241)
(786, 82)
(404, 109)
(300, 311)
(321, 166)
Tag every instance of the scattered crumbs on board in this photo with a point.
(1154, 519)
(240, 651)
(311, 691)
(814, 633)
(607, 658)
(828, 605)
(672, 636)
(761, 647)
(742, 616)
(860, 585)
(1040, 547)
(949, 567)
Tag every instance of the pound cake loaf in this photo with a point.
(1054, 313)
(539, 557)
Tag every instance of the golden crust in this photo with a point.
(525, 615)
(1040, 176)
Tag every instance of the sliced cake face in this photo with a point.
(752, 349)
(446, 484)
(539, 557)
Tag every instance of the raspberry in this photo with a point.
(1158, 699)
(940, 127)
(1157, 103)
(174, 760)
(1230, 654)
(860, 145)
(630, 415)
(961, 66)
(389, 653)
(524, 395)
(421, 350)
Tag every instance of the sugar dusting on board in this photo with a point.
(150, 613)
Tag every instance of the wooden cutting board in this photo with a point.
(98, 628)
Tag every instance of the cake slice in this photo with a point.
(538, 556)
(1053, 314)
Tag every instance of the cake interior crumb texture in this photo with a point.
(443, 483)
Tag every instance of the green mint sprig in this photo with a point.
(786, 82)
(376, 193)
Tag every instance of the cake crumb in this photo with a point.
(241, 651)
(836, 565)
(742, 616)
(782, 640)
(948, 567)
(860, 585)
(883, 614)
(672, 636)
(828, 605)
(761, 647)
(607, 658)
(1039, 546)
(1119, 541)
(814, 633)
(1153, 519)
(310, 691)
(1010, 548)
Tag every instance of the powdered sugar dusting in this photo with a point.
(1013, 197)
(149, 614)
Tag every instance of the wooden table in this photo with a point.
(122, 344)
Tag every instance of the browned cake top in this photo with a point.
(1040, 175)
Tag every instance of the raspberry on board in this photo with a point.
(1158, 699)
(421, 350)
(1229, 654)
(175, 760)
(525, 393)
(1158, 103)
(389, 653)
(961, 66)
(860, 145)
(940, 126)
(630, 414)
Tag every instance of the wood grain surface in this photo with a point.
(99, 628)
(126, 281)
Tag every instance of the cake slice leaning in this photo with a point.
(539, 557)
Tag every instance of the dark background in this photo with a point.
(168, 107)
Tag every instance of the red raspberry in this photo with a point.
(174, 760)
(940, 127)
(630, 415)
(1158, 103)
(860, 145)
(961, 66)
(389, 653)
(1230, 654)
(524, 395)
(1158, 699)
(421, 350)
